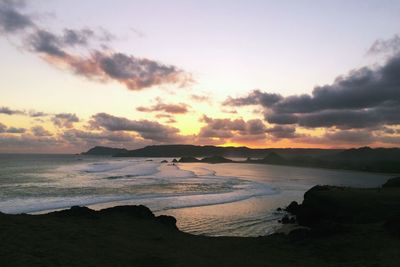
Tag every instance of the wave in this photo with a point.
(115, 182)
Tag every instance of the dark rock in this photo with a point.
(293, 207)
(216, 159)
(105, 151)
(188, 159)
(138, 212)
(164, 161)
(174, 161)
(279, 209)
(167, 220)
(394, 182)
(74, 211)
(285, 219)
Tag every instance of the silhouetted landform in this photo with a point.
(214, 159)
(332, 210)
(188, 159)
(333, 162)
(209, 151)
(104, 151)
(342, 227)
(361, 159)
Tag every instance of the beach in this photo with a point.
(342, 231)
(210, 199)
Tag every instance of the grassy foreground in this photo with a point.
(349, 227)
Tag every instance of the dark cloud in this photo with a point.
(8, 111)
(365, 98)
(47, 43)
(81, 37)
(179, 108)
(135, 73)
(11, 19)
(138, 73)
(280, 132)
(75, 135)
(351, 137)
(146, 129)
(11, 130)
(276, 118)
(27, 143)
(40, 131)
(256, 97)
(232, 130)
(100, 63)
(64, 120)
(16, 130)
(36, 114)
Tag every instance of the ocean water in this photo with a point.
(209, 199)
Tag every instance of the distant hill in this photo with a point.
(362, 159)
(369, 154)
(104, 151)
(209, 151)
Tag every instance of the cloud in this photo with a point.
(36, 114)
(64, 120)
(364, 98)
(256, 97)
(11, 130)
(146, 129)
(280, 132)
(391, 46)
(201, 98)
(169, 118)
(228, 130)
(8, 111)
(179, 108)
(40, 131)
(3, 128)
(94, 62)
(16, 130)
(75, 135)
(81, 37)
(11, 20)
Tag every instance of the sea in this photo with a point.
(225, 199)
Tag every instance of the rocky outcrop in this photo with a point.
(394, 182)
(130, 211)
(216, 159)
(188, 159)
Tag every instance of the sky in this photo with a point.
(299, 73)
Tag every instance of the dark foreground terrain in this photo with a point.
(347, 227)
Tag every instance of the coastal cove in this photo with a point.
(194, 193)
(340, 231)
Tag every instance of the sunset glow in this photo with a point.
(263, 75)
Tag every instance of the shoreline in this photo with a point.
(335, 224)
